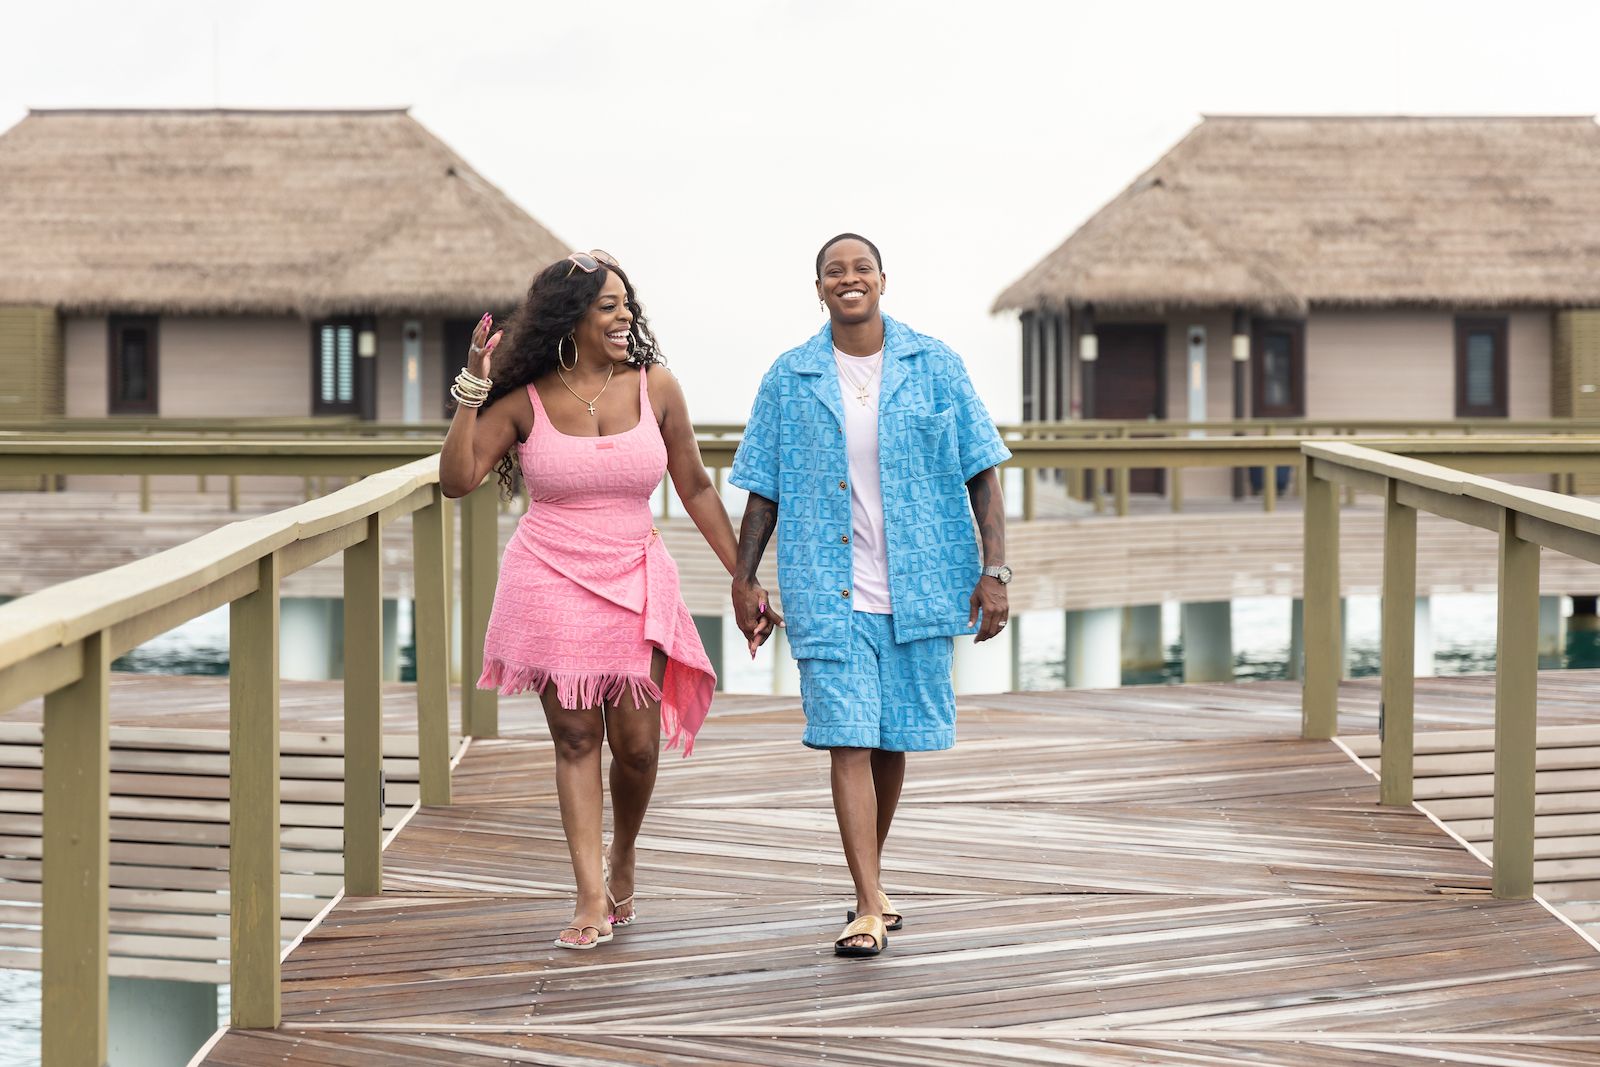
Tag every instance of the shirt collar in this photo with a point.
(816, 355)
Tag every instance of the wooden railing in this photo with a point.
(1525, 520)
(233, 457)
(349, 426)
(1105, 448)
(59, 644)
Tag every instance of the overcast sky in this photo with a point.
(713, 146)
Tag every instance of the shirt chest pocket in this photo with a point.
(932, 443)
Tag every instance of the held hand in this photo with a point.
(989, 598)
(479, 355)
(755, 616)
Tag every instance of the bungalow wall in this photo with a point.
(1382, 364)
(1402, 364)
(240, 366)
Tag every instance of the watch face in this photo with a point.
(1005, 575)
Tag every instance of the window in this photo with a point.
(1278, 369)
(132, 371)
(1481, 368)
(1030, 370)
(333, 367)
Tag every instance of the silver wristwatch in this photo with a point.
(1001, 574)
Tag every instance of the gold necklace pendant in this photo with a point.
(863, 386)
(588, 403)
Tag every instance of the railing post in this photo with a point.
(480, 543)
(363, 714)
(1123, 482)
(449, 518)
(1269, 489)
(144, 493)
(233, 492)
(1398, 648)
(76, 867)
(1319, 693)
(433, 651)
(1029, 505)
(1516, 681)
(1176, 488)
(253, 808)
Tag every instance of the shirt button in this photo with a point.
(844, 485)
(844, 539)
(845, 593)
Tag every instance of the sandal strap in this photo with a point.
(865, 926)
(580, 929)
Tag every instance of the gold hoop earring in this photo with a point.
(561, 361)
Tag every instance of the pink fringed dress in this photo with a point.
(587, 590)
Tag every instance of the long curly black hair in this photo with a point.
(536, 334)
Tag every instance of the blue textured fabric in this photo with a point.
(934, 434)
(887, 694)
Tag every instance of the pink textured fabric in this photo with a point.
(587, 590)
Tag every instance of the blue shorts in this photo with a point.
(888, 696)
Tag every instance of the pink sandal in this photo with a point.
(581, 945)
(613, 919)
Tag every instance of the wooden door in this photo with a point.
(1130, 382)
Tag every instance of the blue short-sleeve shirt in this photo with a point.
(934, 435)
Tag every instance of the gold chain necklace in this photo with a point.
(588, 403)
(863, 387)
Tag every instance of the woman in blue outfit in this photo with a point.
(870, 454)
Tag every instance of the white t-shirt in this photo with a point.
(859, 378)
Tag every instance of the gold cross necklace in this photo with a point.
(588, 403)
(863, 387)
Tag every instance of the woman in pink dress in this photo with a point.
(587, 612)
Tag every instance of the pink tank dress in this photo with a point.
(587, 591)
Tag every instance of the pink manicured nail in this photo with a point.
(761, 608)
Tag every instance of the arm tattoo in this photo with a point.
(755, 529)
(989, 509)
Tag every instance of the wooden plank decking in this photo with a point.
(1135, 876)
(169, 818)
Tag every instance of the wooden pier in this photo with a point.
(1153, 875)
(1192, 874)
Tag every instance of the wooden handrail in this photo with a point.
(237, 457)
(59, 644)
(1525, 521)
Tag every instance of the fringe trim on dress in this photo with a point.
(588, 689)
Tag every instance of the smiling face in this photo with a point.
(850, 283)
(605, 328)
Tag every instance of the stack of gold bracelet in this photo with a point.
(470, 391)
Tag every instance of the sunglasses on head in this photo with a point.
(590, 261)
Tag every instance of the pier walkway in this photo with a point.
(1152, 875)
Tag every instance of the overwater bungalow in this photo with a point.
(1361, 267)
(219, 263)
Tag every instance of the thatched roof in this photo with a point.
(1281, 213)
(305, 212)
